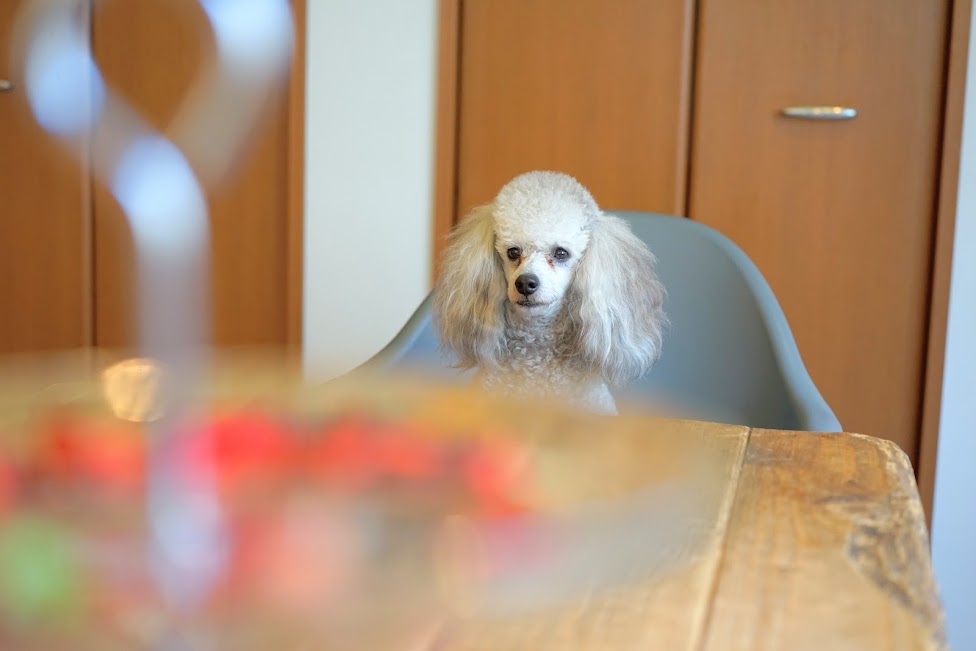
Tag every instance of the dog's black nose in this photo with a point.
(526, 284)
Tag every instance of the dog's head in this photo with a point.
(541, 247)
(542, 228)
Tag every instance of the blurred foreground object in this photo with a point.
(388, 514)
(357, 515)
(159, 180)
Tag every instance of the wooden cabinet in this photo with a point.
(66, 260)
(596, 89)
(45, 263)
(838, 215)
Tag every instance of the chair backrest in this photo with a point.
(729, 355)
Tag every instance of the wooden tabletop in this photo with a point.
(817, 540)
(820, 543)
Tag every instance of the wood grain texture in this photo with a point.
(945, 218)
(151, 51)
(594, 89)
(819, 543)
(826, 548)
(45, 223)
(662, 612)
(837, 215)
(445, 153)
(296, 184)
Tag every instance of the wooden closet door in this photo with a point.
(44, 222)
(151, 51)
(837, 215)
(593, 88)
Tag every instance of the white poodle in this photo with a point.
(548, 296)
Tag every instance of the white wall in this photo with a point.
(369, 174)
(954, 510)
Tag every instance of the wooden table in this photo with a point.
(819, 544)
(817, 541)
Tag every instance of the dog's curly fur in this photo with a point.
(596, 319)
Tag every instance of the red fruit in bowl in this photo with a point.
(493, 472)
(344, 452)
(249, 445)
(55, 444)
(8, 485)
(105, 451)
(116, 458)
(404, 454)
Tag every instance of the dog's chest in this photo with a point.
(538, 363)
(540, 356)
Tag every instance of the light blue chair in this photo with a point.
(729, 355)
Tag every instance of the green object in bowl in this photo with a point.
(40, 579)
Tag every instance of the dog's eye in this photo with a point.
(514, 253)
(560, 254)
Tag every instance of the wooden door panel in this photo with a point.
(837, 215)
(592, 88)
(151, 51)
(44, 223)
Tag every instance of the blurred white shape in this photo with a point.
(253, 37)
(64, 88)
(131, 389)
(254, 41)
(160, 195)
(191, 545)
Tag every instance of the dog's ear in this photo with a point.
(470, 293)
(617, 302)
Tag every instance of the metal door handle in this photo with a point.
(6, 85)
(819, 112)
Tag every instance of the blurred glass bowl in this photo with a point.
(358, 514)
